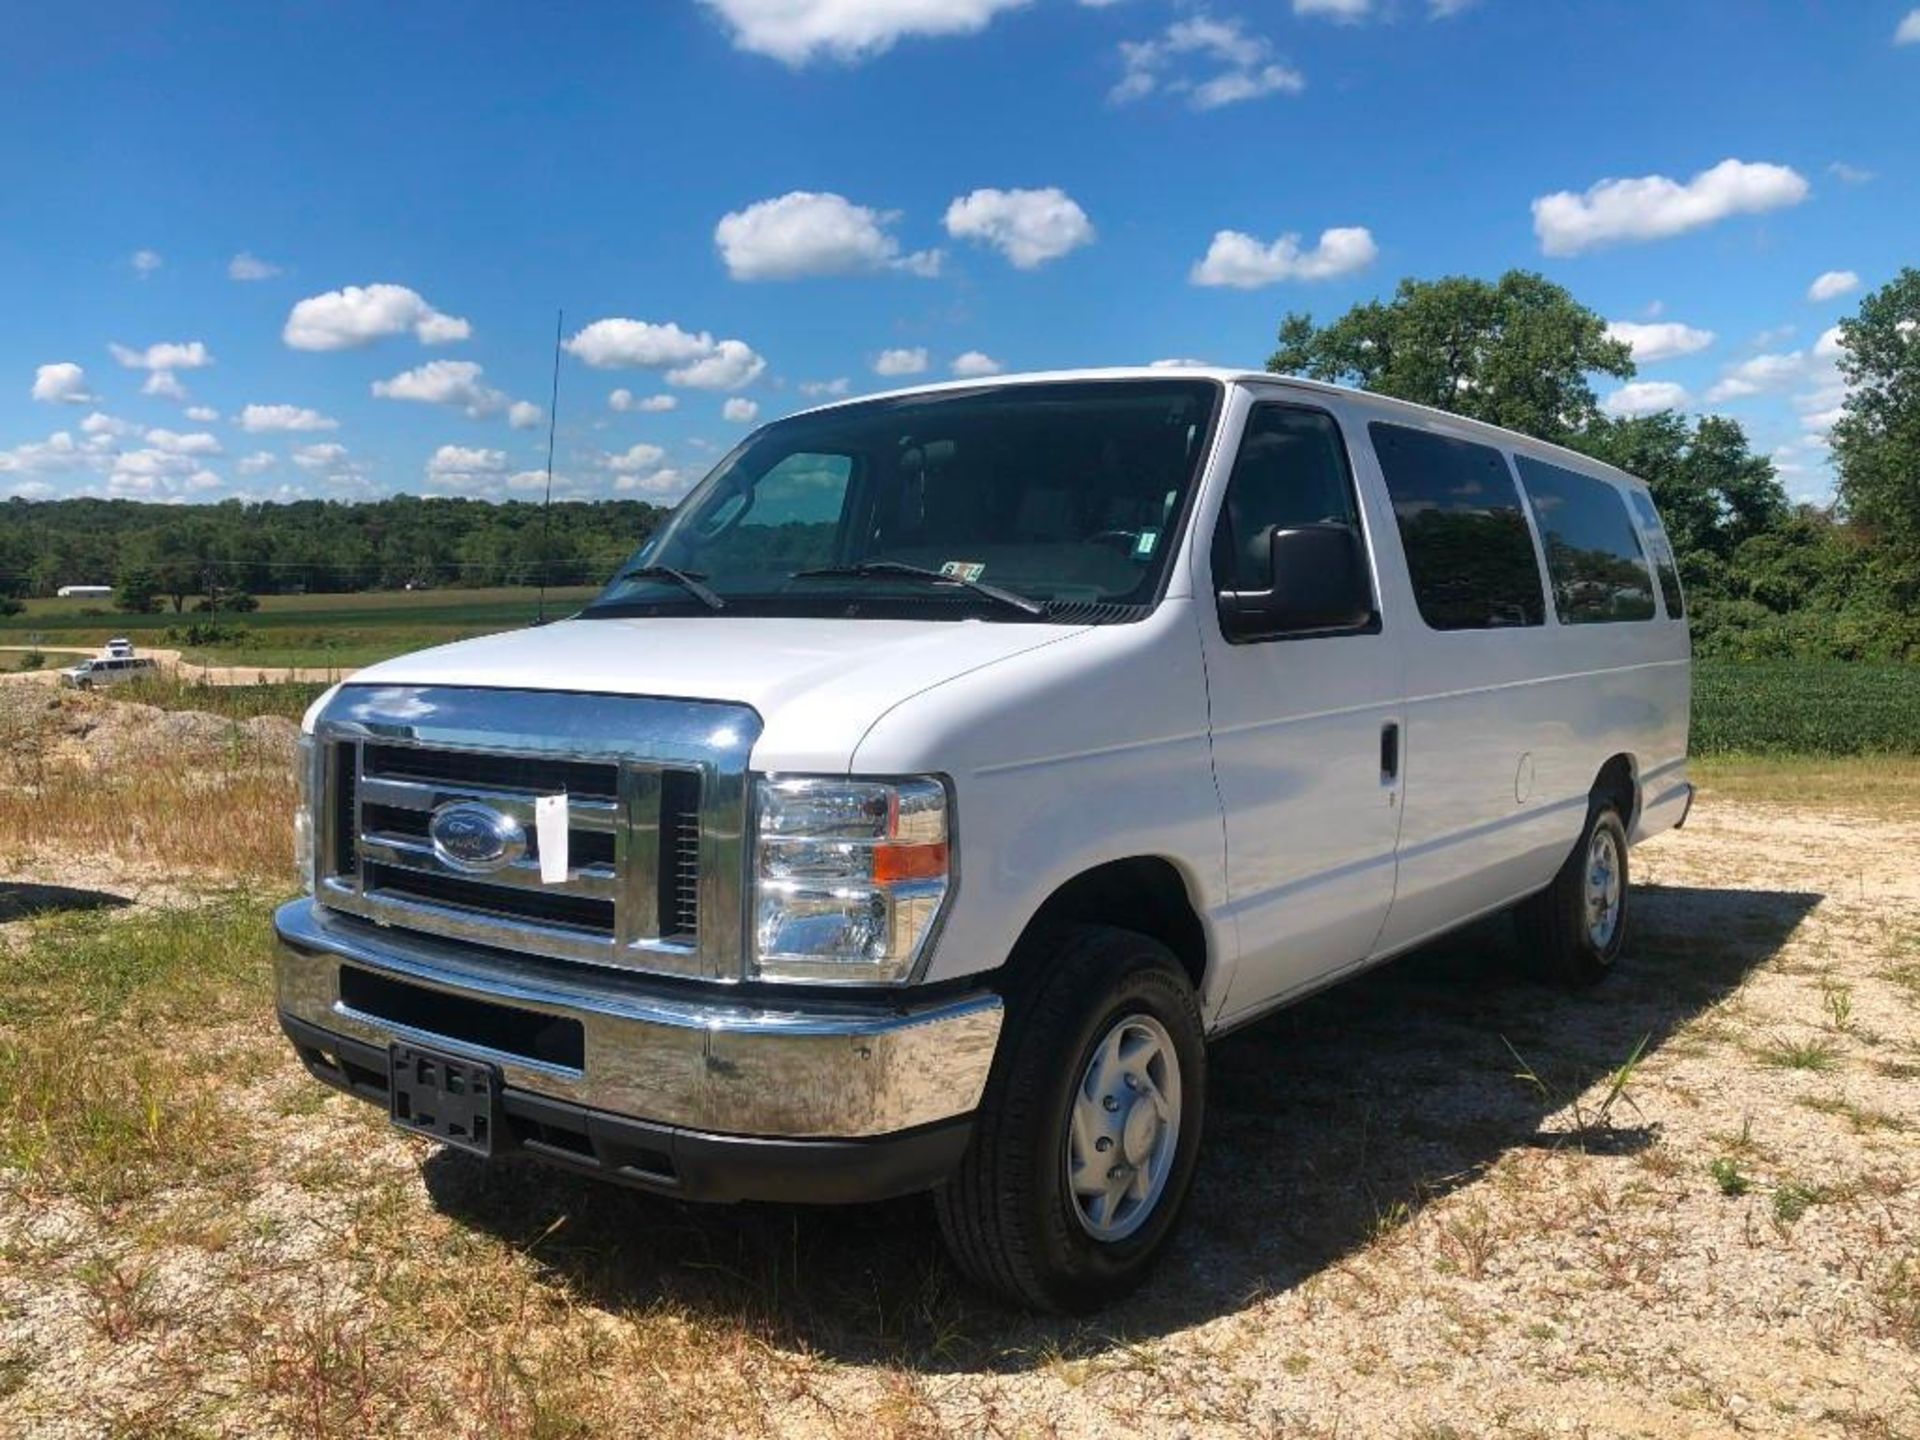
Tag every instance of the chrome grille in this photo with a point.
(642, 889)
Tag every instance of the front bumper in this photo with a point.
(599, 1052)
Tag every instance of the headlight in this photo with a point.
(849, 876)
(304, 754)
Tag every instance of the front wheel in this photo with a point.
(1086, 1139)
(1575, 929)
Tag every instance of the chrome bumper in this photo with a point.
(826, 1070)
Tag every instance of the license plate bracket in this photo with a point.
(444, 1097)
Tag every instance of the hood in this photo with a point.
(817, 684)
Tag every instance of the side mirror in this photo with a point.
(1319, 583)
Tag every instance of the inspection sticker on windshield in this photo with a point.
(962, 569)
(1143, 547)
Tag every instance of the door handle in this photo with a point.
(1389, 752)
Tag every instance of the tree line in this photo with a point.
(1765, 578)
(220, 556)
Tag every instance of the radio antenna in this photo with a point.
(553, 421)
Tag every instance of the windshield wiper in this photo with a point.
(686, 580)
(870, 568)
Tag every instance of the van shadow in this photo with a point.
(21, 900)
(1328, 1121)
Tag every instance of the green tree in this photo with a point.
(1516, 352)
(137, 592)
(1713, 492)
(1876, 444)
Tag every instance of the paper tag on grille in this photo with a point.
(550, 828)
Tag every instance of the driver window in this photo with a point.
(789, 520)
(1291, 471)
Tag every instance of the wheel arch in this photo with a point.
(1619, 781)
(1149, 894)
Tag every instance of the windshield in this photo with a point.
(1070, 495)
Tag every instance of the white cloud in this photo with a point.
(692, 359)
(1662, 341)
(460, 383)
(524, 415)
(327, 458)
(1829, 345)
(462, 467)
(165, 384)
(1653, 207)
(255, 419)
(1029, 227)
(1759, 375)
(256, 463)
(1180, 362)
(158, 474)
(61, 383)
(901, 362)
(626, 402)
(827, 389)
(666, 484)
(1239, 260)
(57, 454)
(1849, 174)
(202, 414)
(145, 262)
(245, 266)
(634, 459)
(167, 355)
(1334, 9)
(1832, 284)
(361, 314)
(741, 411)
(795, 31)
(804, 233)
(731, 365)
(975, 364)
(1646, 397)
(197, 443)
(1908, 30)
(1237, 66)
(105, 426)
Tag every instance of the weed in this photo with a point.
(1589, 1122)
(1729, 1177)
(1817, 1055)
(1791, 1200)
(1838, 1000)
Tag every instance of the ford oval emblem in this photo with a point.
(476, 838)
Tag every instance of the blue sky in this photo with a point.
(277, 250)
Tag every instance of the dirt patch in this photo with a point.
(1412, 1218)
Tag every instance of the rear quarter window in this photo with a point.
(1468, 550)
(1664, 565)
(1595, 564)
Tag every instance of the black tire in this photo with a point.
(1554, 925)
(1008, 1215)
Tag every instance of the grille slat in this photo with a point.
(384, 865)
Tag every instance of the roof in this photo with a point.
(1460, 425)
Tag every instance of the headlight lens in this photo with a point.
(849, 877)
(304, 755)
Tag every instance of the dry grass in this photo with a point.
(1394, 1233)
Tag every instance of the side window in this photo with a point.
(1664, 565)
(1468, 550)
(788, 520)
(1594, 560)
(1291, 471)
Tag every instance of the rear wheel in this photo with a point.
(1087, 1136)
(1575, 929)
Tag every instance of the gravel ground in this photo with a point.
(1417, 1214)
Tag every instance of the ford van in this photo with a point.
(952, 765)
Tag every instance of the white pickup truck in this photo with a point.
(953, 764)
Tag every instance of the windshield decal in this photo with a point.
(963, 569)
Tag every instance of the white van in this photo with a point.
(109, 669)
(953, 764)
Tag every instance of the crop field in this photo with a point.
(328, 631)
(1438, 1201)
(1805, 708)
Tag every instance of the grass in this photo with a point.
(288, 699)
(1818, 1054)
(324, 631)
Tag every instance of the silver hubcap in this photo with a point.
(1603, 888)
(1125, 1128)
